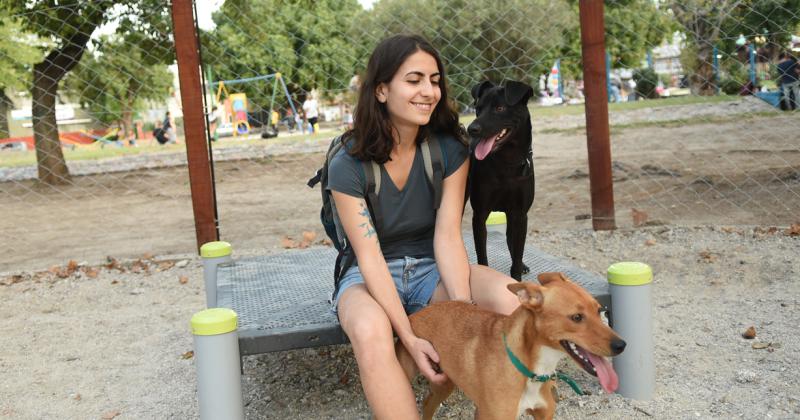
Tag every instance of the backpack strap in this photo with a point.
(372, 173)
(434, 168)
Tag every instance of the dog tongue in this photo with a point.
(484, 147)
(605, 372)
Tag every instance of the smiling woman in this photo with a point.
(415, 254)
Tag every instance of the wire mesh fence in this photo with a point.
(696, 89)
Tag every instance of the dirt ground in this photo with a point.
(98, 342)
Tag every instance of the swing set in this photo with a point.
(235, 104)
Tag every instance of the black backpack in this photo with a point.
(434, 170)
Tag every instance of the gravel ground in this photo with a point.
(87, 342)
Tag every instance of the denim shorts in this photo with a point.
(414, 278)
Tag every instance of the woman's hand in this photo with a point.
(427, 360)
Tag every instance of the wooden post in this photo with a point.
(597, 132)
(194, 121)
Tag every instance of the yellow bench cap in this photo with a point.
(215, 249)
(630, 274)
(496, 218)
(214, 321)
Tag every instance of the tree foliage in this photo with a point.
(115, 79)
(775, 20)
(702, 21)
(69, 25)
(632, 28)
(18, 52)
(305, 41)
(478, 40)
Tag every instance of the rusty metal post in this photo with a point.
(597, 131)
(194, 121)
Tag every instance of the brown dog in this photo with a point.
(556, 319)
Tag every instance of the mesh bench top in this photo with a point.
(282, 299)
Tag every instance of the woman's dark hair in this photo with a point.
(372, 128)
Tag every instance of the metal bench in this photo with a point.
(282, 299)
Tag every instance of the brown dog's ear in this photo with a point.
(545, 278)
(529, 294)
(516, 92)
(478, 89)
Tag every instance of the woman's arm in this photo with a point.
(355, 218)
(448, 246)
(354, 215)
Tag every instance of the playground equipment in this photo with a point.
(236, 104)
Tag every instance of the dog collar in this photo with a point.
(539, 378)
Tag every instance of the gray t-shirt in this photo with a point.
(408, 215)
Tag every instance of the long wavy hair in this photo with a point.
(372, 129)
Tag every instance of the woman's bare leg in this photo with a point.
(385, 384)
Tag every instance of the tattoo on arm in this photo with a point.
(367, 225)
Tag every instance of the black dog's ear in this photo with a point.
(479, 88)
(516, 92)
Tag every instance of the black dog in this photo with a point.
(501, 165)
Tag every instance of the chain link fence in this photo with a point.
(698, 135)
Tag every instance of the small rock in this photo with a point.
(759, 346)
(745, 376)
(750, 333)
(182, 263)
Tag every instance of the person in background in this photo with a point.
(274, 119)
(789, 81)
(616, 88)
(169, 128)
(311, 110)
(214, 120)
(347, 118)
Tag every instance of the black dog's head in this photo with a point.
(502, 118)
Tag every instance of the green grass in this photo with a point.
(88, 152)
(10, 159)
(559, 110)
(95, 152)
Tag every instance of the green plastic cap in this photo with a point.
(215, 249)
(214, 321)
(496, 218)
(630, 274)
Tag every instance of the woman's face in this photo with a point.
(412, 94)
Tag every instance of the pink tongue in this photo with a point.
(605, 372)
(484, 147)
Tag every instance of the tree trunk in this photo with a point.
(5, 105)
(702, 80)
(46, 76)
(49, 157)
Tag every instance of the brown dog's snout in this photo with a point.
(617, 346)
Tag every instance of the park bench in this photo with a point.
(282, 299)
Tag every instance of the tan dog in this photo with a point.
(556, 319)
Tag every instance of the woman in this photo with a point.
(419, 256)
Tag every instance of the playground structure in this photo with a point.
(236, 105)
(70, 139)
